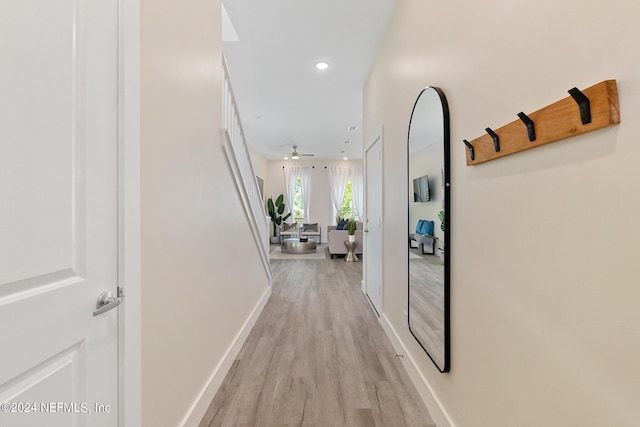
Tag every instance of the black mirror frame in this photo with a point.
(447, 221)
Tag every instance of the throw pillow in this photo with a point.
(341, 224)
(310, 227)
(289, 227)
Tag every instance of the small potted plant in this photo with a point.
(351, 230)
(275, 212)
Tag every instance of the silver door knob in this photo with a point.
(106, 301)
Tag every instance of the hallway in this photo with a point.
(317, 356)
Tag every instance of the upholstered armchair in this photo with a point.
(424, 237)
(312, 231)
(289, 231)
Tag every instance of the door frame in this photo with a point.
(378, 137)
(129, 227)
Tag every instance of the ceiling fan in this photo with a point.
(295, 155)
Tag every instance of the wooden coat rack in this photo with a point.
(582, 112)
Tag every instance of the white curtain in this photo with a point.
(338, 178)
(305, 173)
(290, 178)
(357, 190)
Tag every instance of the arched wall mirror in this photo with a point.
(429, 226)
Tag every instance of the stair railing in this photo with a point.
(239, 158)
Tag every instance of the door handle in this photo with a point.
(106, 301)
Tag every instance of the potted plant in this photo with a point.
(351, 230)
(275, 212)
(441, 218)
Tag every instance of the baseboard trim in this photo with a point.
(437, 411)
(202, 402)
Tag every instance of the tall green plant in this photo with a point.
(275, 212)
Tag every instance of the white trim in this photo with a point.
(202, 402)
(129, 228)
(378, 136)
(435, 407)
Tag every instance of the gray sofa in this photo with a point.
(336, 239)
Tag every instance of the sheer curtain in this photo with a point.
(357, 190)
(338, 178)
(304, 173)
(291, 175)
(290, 178)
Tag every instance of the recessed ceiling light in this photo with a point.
(345, 158)
(286, 158)
(352, 128)
(322, 65)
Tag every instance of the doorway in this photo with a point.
(373, 222)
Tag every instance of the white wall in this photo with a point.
(321, 206)
(545, 243)
(199, 280)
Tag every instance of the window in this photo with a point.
(348, 210)
(298, 205)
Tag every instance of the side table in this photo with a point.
(351, 251)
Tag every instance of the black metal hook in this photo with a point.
(531, 128)
(496, 140)
(583, 105)
(470, 147)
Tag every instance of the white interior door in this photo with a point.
(373, 223)
(58, 212)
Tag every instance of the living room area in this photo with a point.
(322, 212)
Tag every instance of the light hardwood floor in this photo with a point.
(317, 356)
(426, 304)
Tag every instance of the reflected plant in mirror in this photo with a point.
(429, 211)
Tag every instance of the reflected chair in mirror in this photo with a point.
(424, 237)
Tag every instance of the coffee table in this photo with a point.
(295, 246)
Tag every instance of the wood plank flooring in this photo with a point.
(426, 304)
(317, 356)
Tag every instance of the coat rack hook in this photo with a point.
(496, 140)
(583, 105)
(531, 128)
(470, 147)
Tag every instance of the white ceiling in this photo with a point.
(283, 99)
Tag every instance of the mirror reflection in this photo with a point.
(428, 184)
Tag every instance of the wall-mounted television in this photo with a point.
(421, 189)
